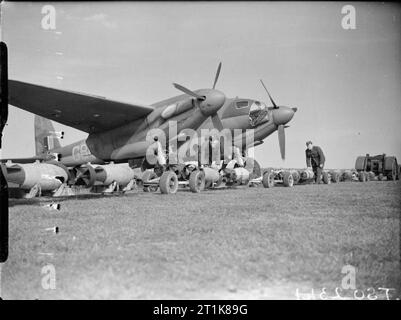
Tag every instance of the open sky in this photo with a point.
(346, 84)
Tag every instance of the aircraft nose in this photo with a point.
(283, 115)
(213, 102)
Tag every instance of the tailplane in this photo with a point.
(46, 138)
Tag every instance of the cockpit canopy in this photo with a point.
(258, 113)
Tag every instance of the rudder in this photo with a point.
(45, 136)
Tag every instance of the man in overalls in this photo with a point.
(315, 159)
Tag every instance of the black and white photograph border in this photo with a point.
(200, 150)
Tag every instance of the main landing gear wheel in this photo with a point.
(197, 181)
(288, 179)
(147, 176)
(168, 182)
(268, 179)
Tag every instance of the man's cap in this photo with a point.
(308, 142)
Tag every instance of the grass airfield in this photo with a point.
(243, 243)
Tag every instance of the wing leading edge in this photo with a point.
(84, 112)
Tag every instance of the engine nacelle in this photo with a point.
(176, 108)
(48, 176)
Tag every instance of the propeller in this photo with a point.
(217, 75)
(271, 99)
(189, 92)
(210, 101)
(217, 122)
(281, 115)
(281, 140)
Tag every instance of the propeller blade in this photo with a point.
(271, 99)
(217, 75)
(189, 92)
(217, 122)
(281, 140)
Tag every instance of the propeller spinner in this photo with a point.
(209, 101)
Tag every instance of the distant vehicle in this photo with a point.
(381, 166)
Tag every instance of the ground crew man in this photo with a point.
(315, 159)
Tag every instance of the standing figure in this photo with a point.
(315, 159)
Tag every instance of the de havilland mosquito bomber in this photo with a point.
(119, 138)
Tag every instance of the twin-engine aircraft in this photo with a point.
(118, 130)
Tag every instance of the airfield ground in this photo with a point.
(251, 243)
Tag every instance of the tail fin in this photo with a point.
(46, 138)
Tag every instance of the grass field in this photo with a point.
(236, 244)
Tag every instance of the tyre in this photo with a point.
(335, 177)
(361, 176)
(380, 177)
(168, 183)
(268, 179)
(197, 181)
(391, 167)
(288, 179)
(371, 175)
(296, 176)
(347, 175)
(326, 177)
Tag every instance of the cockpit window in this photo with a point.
(258, 113)
(242, 104)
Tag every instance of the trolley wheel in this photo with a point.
(380, 177)
(361, 176)
(296, 177)
(197, 181)
(288, 179)
(168, 182)
(335, 177)
(326, 177)
(268, 179)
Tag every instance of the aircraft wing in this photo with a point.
(81, 111)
